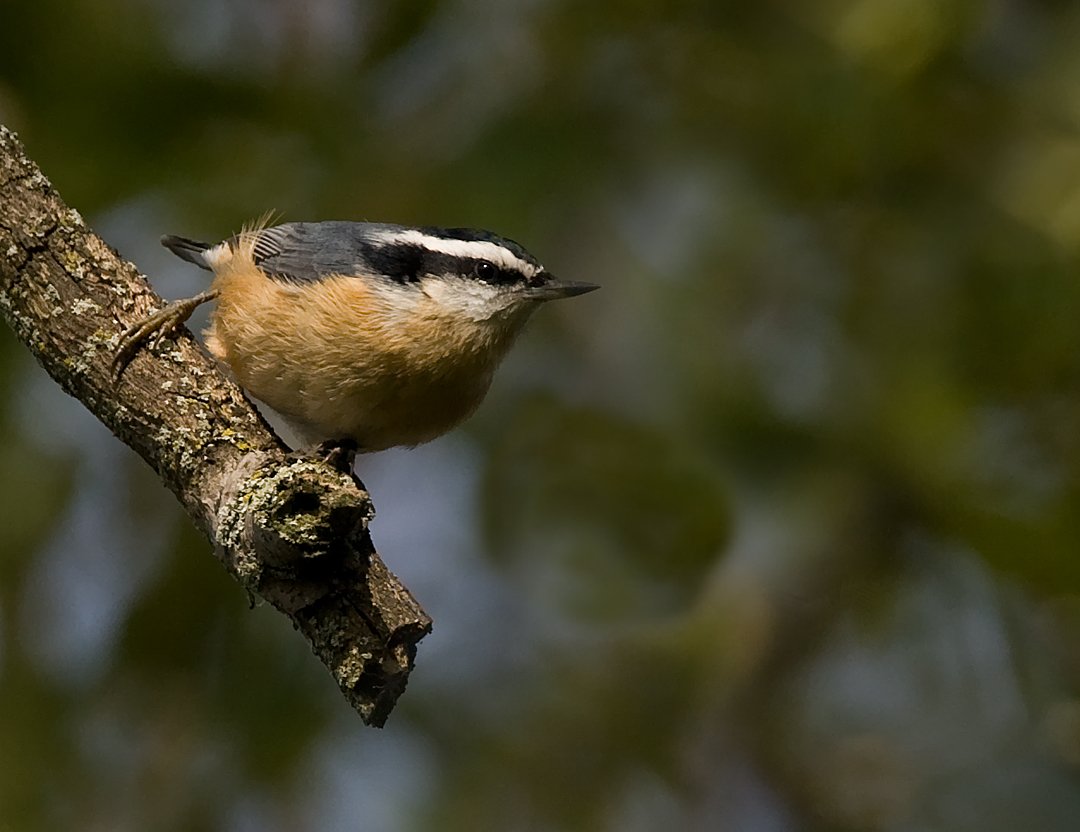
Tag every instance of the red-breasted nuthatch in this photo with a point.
(377, 334)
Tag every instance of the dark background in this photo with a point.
(778, 531)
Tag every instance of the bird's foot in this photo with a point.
(155, 327)
(339, 454)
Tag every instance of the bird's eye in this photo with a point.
(485, 271)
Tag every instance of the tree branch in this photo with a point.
(293, 531)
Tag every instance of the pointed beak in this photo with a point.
(555, 289)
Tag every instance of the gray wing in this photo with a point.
(300, 252)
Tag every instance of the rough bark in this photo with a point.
(291, 530)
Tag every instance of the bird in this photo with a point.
(374, 335)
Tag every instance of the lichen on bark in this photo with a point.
(292, 530)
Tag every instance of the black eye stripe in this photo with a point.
(403, 262)
(473, 268)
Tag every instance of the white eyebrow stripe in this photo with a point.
(473, 249)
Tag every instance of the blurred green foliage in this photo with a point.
(780, 530)
(595, 503)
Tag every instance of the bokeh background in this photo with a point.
(778, 531)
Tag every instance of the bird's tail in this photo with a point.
(185, 249)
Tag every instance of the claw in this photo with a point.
(155, 327)
(340, 454)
